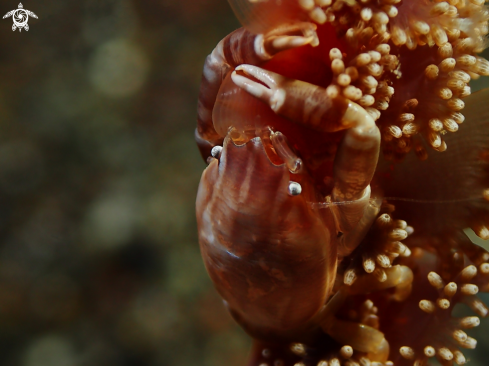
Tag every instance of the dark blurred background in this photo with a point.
(99, 260)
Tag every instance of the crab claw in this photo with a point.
(287, 37)
(270, 93)
(296, 100)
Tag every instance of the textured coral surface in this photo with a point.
(403, 258)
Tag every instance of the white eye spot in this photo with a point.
(216, 151)
(295, 189)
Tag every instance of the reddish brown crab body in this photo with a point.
(265, 244)
(279, 256)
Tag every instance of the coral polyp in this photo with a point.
(347, 155)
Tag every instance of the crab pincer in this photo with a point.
(237, 48)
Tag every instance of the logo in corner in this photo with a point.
(20, 17)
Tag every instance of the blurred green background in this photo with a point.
(99, 260)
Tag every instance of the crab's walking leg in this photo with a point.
(361, 337)
(354, 167)
(350, 239)
(314, 107)
(237, 48)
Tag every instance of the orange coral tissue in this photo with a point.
(347, 155)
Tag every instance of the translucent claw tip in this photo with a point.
(250, 86)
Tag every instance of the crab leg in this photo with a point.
(361, 337)
(239, 47)
(350, 239)
(312, 106)
(354, 167)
